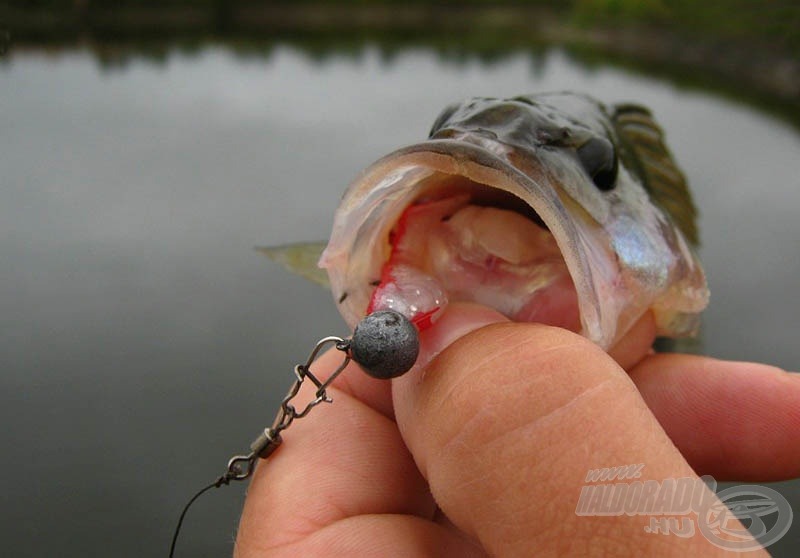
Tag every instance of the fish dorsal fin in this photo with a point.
(644, 150)
(300, 258)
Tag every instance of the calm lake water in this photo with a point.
(144, 341)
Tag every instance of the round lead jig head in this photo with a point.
(385, 344)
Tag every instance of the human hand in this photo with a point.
(484, 449)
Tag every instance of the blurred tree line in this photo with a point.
(772, 21)
(769, 21)
(746, 47)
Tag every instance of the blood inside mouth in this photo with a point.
(458, 249)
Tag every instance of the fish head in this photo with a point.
(542, 206)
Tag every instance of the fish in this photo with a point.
(552, 207)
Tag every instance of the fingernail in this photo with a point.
(458, 320)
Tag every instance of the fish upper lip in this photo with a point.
(484, 162)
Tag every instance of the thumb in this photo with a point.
(506, 422)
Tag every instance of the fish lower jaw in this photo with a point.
(422, 299)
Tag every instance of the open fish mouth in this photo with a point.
(550, 208)
(467, 242)
(445, 221)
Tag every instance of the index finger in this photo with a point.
(339, 462)
(344, 481)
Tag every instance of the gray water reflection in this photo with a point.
(143, 340)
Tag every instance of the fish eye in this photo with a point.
(599, 160)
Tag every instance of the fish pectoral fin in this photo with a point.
(300, 258)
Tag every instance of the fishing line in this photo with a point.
(216, 484)
(385, 344)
